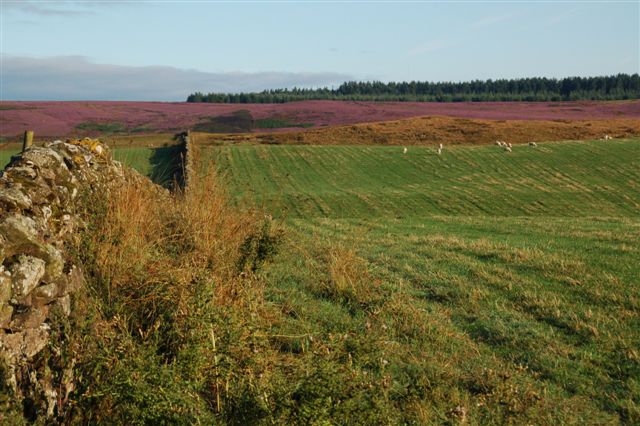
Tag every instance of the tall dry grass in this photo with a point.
(168, 274)
(349, 278)
(153, 247)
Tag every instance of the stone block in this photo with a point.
(14, 199)
(24, 344)
(64, 303)
(45, 294)
(72, 281)
(26, 275)
(20, 234)
(6, 311)
(5, 286)
(54, 263)
(32, 318)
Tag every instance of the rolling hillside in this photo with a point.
(593, 178)
(66, 119)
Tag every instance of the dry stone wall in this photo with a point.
(39, 195)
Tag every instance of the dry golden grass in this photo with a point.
(172, 280)
(152, 252)
(349, 279)
(452, 131)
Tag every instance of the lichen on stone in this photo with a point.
(38, 213)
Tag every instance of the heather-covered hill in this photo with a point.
(59, 119)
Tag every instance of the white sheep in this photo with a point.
(507, 148)
(533, 144)
(499, 143)
(404, 150)
(440, 149)
(509, 145)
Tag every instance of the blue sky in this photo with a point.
(163, 50)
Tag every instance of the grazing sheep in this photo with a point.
(607, 137)
(509, 145)
(440, 149)
(507, 148)
(533, 144)
(499, 143)
(404, 150)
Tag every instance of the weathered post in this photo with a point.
(28, 140)
(186, 172)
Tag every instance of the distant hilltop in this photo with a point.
(536, 89)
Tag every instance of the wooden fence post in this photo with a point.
(28, 140)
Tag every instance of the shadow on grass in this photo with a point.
(167, 166)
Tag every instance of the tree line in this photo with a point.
(615, 87)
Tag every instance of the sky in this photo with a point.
(165, 50)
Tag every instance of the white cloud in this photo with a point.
(76, 78)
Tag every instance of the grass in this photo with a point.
(550, 304)
(279, 123)
(237, 122)
(102, 128)
(559, 179)
(433, 130)
(5, 156)
(167, 165)
(170, 278)
(138, 158)
(477, 286)
(163, 164)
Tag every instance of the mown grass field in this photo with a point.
(476, 286)
(5, 155)
(555, 179)
(139, 158)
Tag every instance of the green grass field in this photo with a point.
(476, 286)
(5, 156)
(559, 179)
(138, 158)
